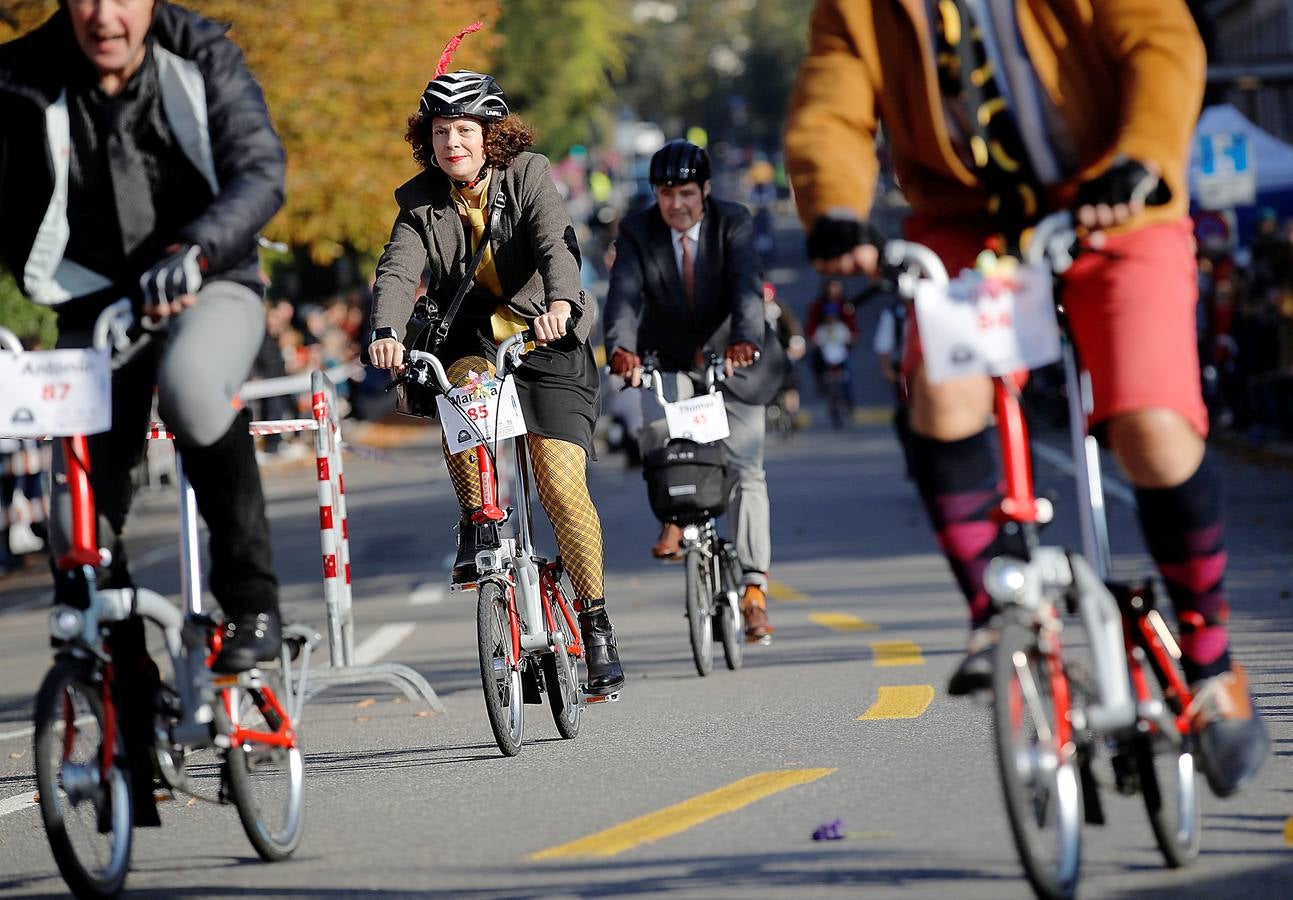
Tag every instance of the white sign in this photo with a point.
(701, 419)
(482, 411)
(987, 325)
(1225, 174)
(55, 392)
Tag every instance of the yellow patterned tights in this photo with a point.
(561, 479)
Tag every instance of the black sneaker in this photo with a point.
(975, 671)
(605, 674)
(249, 638)
(1233, 744)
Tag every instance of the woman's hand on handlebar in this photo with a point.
(552, 324)
(387, 353)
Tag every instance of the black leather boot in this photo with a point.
(605, 674)
(226, 483)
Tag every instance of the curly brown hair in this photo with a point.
(504, 139)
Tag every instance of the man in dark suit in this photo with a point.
(685, 282)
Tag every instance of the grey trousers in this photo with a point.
(749, 511)
(197, 363)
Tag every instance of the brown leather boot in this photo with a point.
(754, 609)
(669, 544)
(1232, 739)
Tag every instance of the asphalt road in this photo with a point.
(740, 767)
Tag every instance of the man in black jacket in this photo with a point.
(685, 282)
(137, 159)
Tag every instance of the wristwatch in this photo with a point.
(385, 331)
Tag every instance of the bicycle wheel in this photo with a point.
(86, 808)
(561, 678)
(266, 782)
(699, 621)
(1038, 775)
(731, 624)
(499, 675)
(1170, 787)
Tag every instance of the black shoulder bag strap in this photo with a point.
(496, 209)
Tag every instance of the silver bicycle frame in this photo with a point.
(515, 553)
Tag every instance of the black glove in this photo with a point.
(1128, 181)
(177, 274)
(832, 236)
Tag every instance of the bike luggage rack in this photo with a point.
(334, 539)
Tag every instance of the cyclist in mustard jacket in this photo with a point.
(996, 112)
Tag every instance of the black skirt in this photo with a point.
(557, 384)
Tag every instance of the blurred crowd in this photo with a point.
(1246, 332)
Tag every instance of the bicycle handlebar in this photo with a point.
(506, 359)
(652, 380)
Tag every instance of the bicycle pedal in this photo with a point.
(762, 641)
(599, 698)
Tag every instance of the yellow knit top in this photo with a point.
(504, 322)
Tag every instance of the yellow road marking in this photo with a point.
(841, 621)
(900, 702)
(779, 591)
(1288, 831)
(897, 653)
(681, 816)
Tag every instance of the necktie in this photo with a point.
(688, 271)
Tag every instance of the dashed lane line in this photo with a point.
(18, 803)
(682, 816)
(900, 702)
(897, 653)
(382, 641)
(784, 592)
(841, 621)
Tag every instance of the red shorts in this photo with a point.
(1131, 307)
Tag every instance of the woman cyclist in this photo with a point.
(473, 152)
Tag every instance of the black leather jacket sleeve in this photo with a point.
(249, 160)
(624, 296)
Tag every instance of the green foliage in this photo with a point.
(725, 64)
(557, 64)
(23, 317)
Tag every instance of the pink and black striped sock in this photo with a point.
(958, 484)
(1185, 528)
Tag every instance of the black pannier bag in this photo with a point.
(687, 481)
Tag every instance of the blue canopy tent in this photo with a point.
(1270, 158)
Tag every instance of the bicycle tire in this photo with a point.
(266, 783)
(1039, 779)
(731, 624)
(72, 689)
(700, 623)
(499, 676)
(1169, 785)
(561, 678)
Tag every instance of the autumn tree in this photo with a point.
(557, 63)
(341, 79)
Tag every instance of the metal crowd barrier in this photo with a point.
(334, 539)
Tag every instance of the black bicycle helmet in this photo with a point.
(679, 162)
(457, 94)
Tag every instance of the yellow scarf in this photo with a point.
(504, 322)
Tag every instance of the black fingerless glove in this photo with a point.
(832, 236)
(1126, 181)
(175, 275)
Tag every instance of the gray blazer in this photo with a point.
(534, 246)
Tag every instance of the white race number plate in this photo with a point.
(978, 326)
(484, 411)
(55, 392)
(701, 419)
